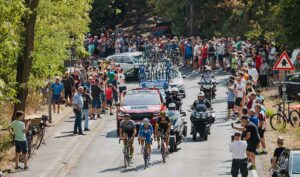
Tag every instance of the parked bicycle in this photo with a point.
(126, 152)
(278, 121)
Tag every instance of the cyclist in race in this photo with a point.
(163, 124)
(128, 130)
(145, 134)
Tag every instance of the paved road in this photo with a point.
(99, 154)
(211, 158)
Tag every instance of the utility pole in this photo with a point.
(49, 96)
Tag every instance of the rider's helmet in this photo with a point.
(201, 95)
(146, 121)
(172, 106)
(175, 90)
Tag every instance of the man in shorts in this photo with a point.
(96, 95)
(57, 93)
(128, 130)
(252, 138)
(19, 130)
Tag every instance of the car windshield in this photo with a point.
(141, 99)
(294, 78)
(296, 164)
(137, 58)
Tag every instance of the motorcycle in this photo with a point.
(208, 86)
(201, 119)
(178, 130)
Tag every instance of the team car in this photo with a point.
(139, 104)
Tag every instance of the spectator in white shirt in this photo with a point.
(239, 157)
(253, 73)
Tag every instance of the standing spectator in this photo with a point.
(121, 82)
(109, 97)
(96, 96)
(221, 52)
(278, 151)
(252, 117)
(196, 56)
(253, 74)
(263, 74)
(68, 82)
(204, 54)
(240, 94)
(77, 108)
(239, 159)
(57, 94)
(86, 107)
(231, 99)
(211, 55)
(188, 52)
(18, 130)
(261, 128)
(115, 90)
(252, 138)
(258, 60)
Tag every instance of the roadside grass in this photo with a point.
(291, 135)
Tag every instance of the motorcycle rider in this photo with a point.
(174, 98)
(163, 124)
(201, 100)
(128, 130)
(208, 77)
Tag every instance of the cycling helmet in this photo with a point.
(146, 121)
(172, 106)
(174, 89)
(201, 94)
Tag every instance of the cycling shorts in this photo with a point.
(129, 133)
(147, 137)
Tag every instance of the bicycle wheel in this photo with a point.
(163, 152)
(145, 155)
(277, 122)
(294, 118)
(40, 138)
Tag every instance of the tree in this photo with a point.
(24, 61)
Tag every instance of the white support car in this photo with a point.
(127, 60)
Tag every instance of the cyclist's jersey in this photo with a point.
(129, 126)
(146, 132)
(163, 124)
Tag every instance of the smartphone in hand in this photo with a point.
(232, 125)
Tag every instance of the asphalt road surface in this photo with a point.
(193, 159)
(100, 154)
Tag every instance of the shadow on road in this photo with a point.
(111, 134)
(65, 136)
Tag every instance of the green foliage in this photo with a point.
(270, 112)
(60, 26)
(264, 20)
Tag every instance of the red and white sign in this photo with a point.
(284, 63)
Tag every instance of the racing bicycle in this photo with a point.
(278, 121)
(146, 154)
(126, 152)
(163, 146)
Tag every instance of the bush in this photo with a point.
(270, 112)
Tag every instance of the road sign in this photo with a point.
(284, 63)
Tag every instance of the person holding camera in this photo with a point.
(251, 136)
(18, 129)
(238, 148)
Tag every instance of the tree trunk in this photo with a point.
(24, 61)
(191, 24)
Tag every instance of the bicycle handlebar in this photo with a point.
(279, 104)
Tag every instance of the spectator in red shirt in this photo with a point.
(258, 60)
(204, 54)
(109, 95)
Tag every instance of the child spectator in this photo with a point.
(109, 96)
